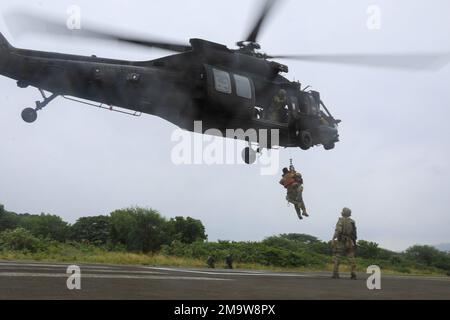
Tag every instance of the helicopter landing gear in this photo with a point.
(29, 115)
(305, 140)
(249, 155)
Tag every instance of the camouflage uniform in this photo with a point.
(211, 262)
(291, 181)
(344, 242)
(229, 261)
(279, 102)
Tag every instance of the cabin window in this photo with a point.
(222, 81)
(243, 87)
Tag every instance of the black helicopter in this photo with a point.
(205, 81)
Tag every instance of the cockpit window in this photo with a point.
(243, 87)
(222, 81)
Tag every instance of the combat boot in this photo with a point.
(299, 213)
(302, 206)
(353, 276)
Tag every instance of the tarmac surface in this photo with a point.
(48, 281)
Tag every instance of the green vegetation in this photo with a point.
(143, 236)
(305, 252)
(135, 230)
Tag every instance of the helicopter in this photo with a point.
(204, 81)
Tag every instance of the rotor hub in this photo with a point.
(249, 45)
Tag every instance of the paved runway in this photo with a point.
(49, 281)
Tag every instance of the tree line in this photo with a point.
(131, 229)
(143, 230)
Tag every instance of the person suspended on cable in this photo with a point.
(292, 181)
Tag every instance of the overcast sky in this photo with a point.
(391, 167)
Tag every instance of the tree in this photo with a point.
(292, 241)
(281, 242)
(368, 250)
(8, 220)
(21, 240)
(429, 256)
(45, 225)
(301, 238)
(95, 230)
(122, 225)
(187, 230)
(139, 229)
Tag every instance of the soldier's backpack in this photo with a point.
(299, 178)
(347, 228)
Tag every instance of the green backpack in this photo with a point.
(347, 228)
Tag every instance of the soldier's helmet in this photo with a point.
(282, 93)
(346, 212)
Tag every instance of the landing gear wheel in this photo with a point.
(29, 115)
(305, 140)
(249, 155)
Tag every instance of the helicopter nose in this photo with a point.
(4, 49)
(328, 134)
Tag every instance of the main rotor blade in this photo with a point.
(26, 22)
(155, 44)
(267, 8)
(417, 61)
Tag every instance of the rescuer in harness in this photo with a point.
(277, 111)
(293, 182)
